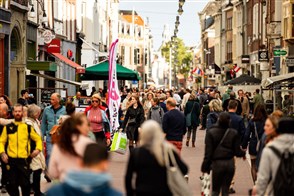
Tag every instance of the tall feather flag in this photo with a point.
(113, 90)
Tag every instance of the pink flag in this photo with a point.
(113, 90)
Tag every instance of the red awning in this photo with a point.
(79, 69)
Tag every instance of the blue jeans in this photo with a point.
(48, 149)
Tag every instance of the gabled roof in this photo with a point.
(128, 16)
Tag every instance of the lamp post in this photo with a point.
(181, 2)
(180, 10)
(170, 66)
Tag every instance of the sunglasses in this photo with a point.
(95, 101)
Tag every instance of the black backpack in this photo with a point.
(284, 180)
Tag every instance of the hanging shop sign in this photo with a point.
(48, 36)
(263, 55)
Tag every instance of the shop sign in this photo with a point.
(48, 36)
(54, 46)
(289, 62)
(263, 55)
(245, 59)
(280, 52)
(46, 95)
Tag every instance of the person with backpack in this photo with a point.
(192, 112)
(17, 152)
(215, 109)
(156, 112)
(276, 175)
(221, 146)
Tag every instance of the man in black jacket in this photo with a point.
(233, 97)
(237, 123)
(236, 120)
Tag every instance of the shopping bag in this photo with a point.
(119, 143)
(205, 185)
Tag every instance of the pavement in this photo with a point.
(192, 157)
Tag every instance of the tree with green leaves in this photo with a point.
(181, 55)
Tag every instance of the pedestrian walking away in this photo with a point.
(67, 152)
(174, 124)
(148, 164)
(221, 145)
(192, 112)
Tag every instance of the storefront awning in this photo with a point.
(59, 79)
(277, 79)
(41, 66)
(79, 69)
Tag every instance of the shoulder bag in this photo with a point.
(175, 179)
(189, 117)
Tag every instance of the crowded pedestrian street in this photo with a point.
(146, 97)
(192, 156)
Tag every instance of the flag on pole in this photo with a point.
(113, 90)
(234, 70)
(198, 71)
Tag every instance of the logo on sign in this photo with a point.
(263, 55)
(47, 36)
(54, 46)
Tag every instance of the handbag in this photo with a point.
(119, 143)
(133, 121)
(189, 117)
(175, 180)
(256, 135)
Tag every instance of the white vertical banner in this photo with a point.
(113, 90)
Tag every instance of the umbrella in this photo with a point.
(101, 71)
(244, 79)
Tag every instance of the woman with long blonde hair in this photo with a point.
(148, 163)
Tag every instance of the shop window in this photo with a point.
(14, 45)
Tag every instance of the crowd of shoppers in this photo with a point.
(156, 122)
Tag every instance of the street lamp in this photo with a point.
(180, 10)
(229, 4)
(32, 13)
(181, 2)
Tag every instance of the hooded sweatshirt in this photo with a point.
(269, 163)
(84, 183)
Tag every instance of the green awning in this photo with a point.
(100, 72)
(41, 65)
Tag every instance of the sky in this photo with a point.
(161, 12)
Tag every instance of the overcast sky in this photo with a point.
(162, 12)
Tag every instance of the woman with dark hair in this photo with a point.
(5, 99)
(192, 109)
(135, 116)
(253, 136)
(70, 146)
(221, 146)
